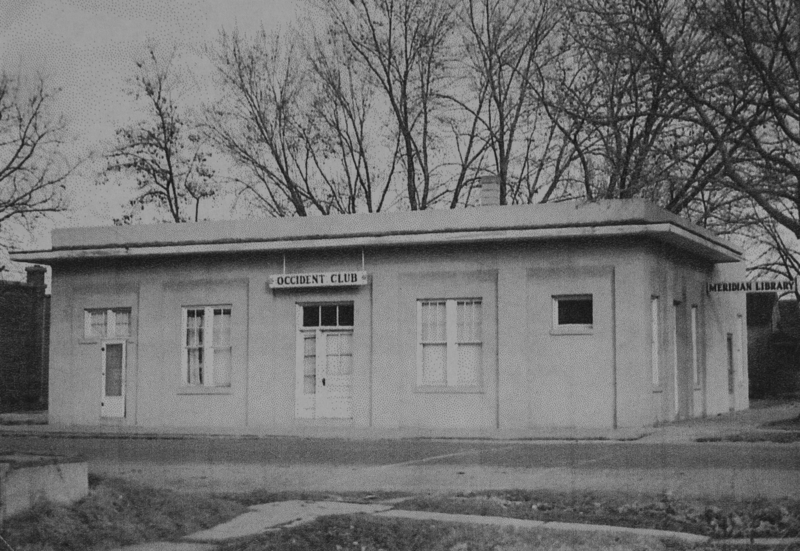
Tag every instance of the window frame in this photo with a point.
(571, 328)
(110, 325)
(655, 342)
(451, 342)
(207, 384)
(695, 338)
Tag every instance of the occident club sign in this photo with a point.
(322, 279)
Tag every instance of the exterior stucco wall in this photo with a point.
(531, 375)
(726, 314)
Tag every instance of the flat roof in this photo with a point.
(568, 220)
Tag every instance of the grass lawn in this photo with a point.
(115, 513)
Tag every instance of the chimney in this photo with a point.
(490, 191)
(36, 275)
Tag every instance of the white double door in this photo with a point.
(324, 376)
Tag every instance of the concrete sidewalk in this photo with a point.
(682, 431)
(285, 514)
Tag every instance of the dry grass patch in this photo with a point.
(115, 513)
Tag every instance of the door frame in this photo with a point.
(113, 406)
(307, 406)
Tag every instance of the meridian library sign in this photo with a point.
(758, 286)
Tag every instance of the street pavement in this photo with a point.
(650, 461)
(413, 465)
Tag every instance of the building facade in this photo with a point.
(513, 317)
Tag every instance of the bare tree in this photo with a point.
(354, 158)
(634, 137)
(736, 64)
(260, 121)
(164, 152)
(33, 173)
(508, 45)
(406, 46)
(756, 90)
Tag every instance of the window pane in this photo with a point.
(222, 327)
(310, 316)
(113, 370)
(97, 323)
(194, 327)
(309, 384)
(122, 322)
(434, 321)
(345, 315)
(434, 364)
(469, 362)
(310, 345)
(222, 366)
(309, 364)
(575, 311)
(195, 364)
(328, 316)
(339, 354)
(468, 315)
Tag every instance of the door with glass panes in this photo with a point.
(324, 371)
(111, 328)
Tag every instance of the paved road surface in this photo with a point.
(289, 463)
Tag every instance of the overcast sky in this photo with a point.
(88, 47)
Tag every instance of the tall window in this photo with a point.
(107, 323)
(207, 346)
(740, 347)
(449, 343)
(695, 359)
(654, 341)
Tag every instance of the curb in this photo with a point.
(8, 430)
(522, 523)
(758, 541)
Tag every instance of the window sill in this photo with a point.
(205, 390)
(448, 390)
(574, 330)
(98, 341)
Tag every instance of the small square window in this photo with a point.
(328, 316)
(573, 312)
(311, 316)
(346, 314)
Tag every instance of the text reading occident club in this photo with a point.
(322, 279)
